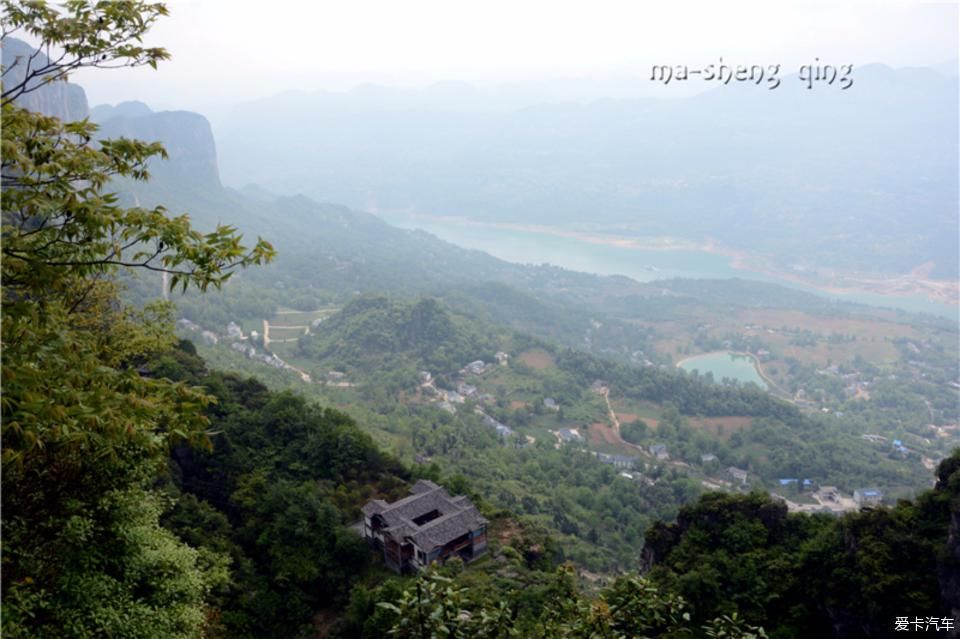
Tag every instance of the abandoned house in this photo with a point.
(427, 526)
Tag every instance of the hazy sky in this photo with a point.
(232, 50)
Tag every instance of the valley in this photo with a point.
(679, 366)
(502, 403)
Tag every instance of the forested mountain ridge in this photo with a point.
(741, 557)
(348, 249)
(803, 576)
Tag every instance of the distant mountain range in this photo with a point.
(362, 250)
(862, 179)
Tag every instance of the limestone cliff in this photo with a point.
(60, 98)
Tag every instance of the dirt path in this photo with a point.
(615, 422)
(613, 415)
(303, 374)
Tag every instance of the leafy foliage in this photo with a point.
(87, 34)
(631, 607)
(84, 432)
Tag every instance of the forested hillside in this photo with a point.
(271, 501)
(729, 564)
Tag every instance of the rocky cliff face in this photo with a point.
(185, 135)
(60, 99)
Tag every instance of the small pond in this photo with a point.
(725, 364)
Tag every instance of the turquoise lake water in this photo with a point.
(533, 247)
(725, 365)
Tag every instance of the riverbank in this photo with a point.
(891, 287)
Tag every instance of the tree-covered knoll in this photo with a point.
(376, 335)
(815, 575)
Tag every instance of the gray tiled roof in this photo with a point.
(445, 529)
(422, 486)
(457, 515)
(374, 507)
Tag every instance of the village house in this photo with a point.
(452, 396)
(425, 527)
(829, 493)
(551, 403)
(867, 497)
(569, 435)
(502, 358)
(186, 324)
(502, 429)
(467, 390)
(234, 331)
(246, 349)
(617, 461)
(738, 473)
(270, 359)
(659, 451)
(476, 367)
